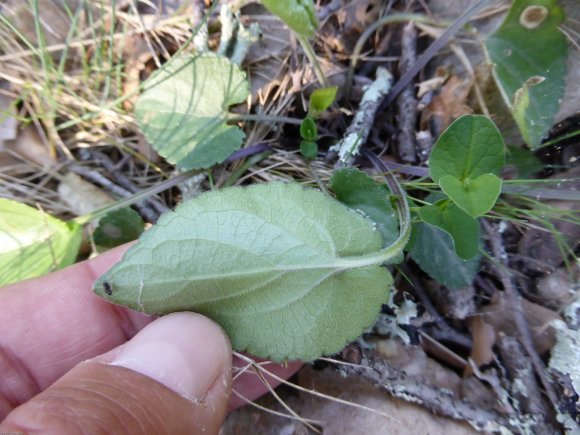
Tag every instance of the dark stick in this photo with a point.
(97, 178)
(123, 181)
(432, 51)
(406, 101)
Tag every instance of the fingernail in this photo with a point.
(186, 352)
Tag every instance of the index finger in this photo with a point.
(52, 323)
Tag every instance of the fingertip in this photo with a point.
(186, 352)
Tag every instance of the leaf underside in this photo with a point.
(183, 112)
(266, 262)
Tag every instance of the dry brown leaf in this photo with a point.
(30, 147)
(500, 314)
(557, 290)
(336, 418)
(81, 196)
(450, 104)
(483, 341)
(407, 417)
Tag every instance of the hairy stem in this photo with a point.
(311, 55)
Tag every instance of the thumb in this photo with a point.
(173, 377)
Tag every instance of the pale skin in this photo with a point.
(66, 367)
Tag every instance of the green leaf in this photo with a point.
(432, 249)
(321, 99)
(524, 160)
(299, 15)
(470, 147)
(183, 112)
(309, 150)
(357, 190)
(474, 196)
(288, 273)
(118, 227)
(308, 129)
(529, 54)
(33, 243)
(463, 229)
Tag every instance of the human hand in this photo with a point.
(71, 362)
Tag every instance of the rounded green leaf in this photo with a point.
(183, 111)
(321, 99)
(309, 150)
(433, 251)
(308, 129)
(524, 160)
(282, 269)
(33, 243)
(474, 196)
(117, 227)
(470, 147)
(299, 15)
(463, 229)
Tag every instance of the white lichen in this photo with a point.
(358, 131)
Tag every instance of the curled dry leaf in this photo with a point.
(450, 104)
(483, 341)
(500, 315)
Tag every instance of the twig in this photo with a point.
(514, 300)
(432, 50)
(200, 39)
(94, 176)
(235, 39)
(123, 181)
(524, 389)
(356, 53)
(441, 330)
(407, 102)
(401, 385)
(358, 131)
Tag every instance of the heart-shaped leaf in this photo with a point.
(531, 76)
(33, 243)
(288, 273)
(470, 147)
(475, 196)
(183, 112)
(463, 229)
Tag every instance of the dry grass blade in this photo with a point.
(264, 371)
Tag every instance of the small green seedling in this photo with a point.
(320, 100)
(465, 162)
